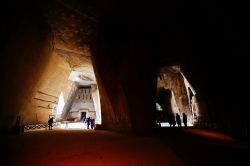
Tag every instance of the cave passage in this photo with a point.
(175, 95)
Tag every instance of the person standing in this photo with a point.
(93, 123)
(178, 119)
(88, 122)
(50, 122)
(184, 116)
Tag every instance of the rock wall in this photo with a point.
(171, 78)
(24, 53)
(52, 82)
(126, 76)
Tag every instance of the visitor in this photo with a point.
(50, 122)
(178, 119)
(184, 116)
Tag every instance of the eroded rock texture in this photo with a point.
(171, 78)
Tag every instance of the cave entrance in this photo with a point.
(175, 95)
(83, 101)
(67, 90)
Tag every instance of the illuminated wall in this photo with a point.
(51, 92)
(83, 102)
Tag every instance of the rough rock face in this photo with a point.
(24, 54)
(64, 46)
(44, 48)
(171, 78)
(173, 87)
(73, 24)
(52, 82)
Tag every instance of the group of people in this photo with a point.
(89, 122)
(177, 119)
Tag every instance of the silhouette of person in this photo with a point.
(184, 116)
(171, 120)
(50, 122)
(178, 120)
(88, 122)
(92, 123)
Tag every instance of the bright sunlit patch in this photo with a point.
(72, 125)
(166, 124)
(158, 107)
(60, 105)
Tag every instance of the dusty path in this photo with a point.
(104, 148)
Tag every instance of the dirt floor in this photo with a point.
(168, 147)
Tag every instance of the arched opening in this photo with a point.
(48, 46)
(175, 95)
(67, 90)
